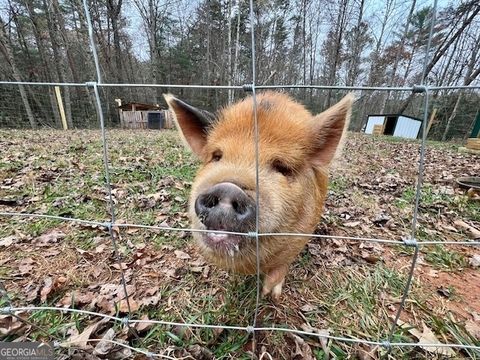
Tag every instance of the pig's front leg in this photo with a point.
(273, 282)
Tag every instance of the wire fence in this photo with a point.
(411, 241)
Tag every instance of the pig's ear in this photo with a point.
(329, 129)
(192, 123)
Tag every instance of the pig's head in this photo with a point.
(295, 151)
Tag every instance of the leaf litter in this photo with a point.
(73, 265)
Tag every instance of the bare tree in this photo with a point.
(6, 50)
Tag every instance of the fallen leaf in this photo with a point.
(47, 289)
(181, 255)
(475, 316)
(143, 326)
(433, 273)
(200, 352)
(121, 266)
(9, 240)
(302, 349)
(10, 325)
(151, 300)
(473, 329)
(352, 223)
(49, 238)
(123, 305)
(81, 340)
(445, 292)
(473, 232)
(474, 261)
(198, 262)
(26, 265)
(105, 346)
(427, 337)
(307, 308)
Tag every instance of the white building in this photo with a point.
(395, 125)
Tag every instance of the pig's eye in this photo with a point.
(283, 169)
(216, 156)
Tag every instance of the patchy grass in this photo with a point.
(349, 288)
(441, 257)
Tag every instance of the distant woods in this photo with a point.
(323, 42)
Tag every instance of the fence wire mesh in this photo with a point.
(93, 88)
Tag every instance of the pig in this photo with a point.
(296, 150)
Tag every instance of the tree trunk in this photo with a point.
(237, 46)
(397, 57)
(340, 27)
(229, 49)
(6, 50)
(60, 63)
(114, 11)
(451, 117)
(41, 46)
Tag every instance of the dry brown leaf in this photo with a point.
(427, 337)
(473, 329)
(181, 255)
(140, 327)
(121, 266)
(473, 232)
(123, 305)
(81, 340)
(352, 223)
(475, 316)
(196, 269)
(105, 346)
(474, 261)
(307, 308)
(47, 289)
(151, 300)
(26, 265)
(302, 349)
(9, 240)
(198, 262)
(10, 325)
(49, 238)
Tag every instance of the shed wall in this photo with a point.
(407, 128)
(372, 121)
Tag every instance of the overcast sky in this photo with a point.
(183, 9)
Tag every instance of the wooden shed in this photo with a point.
(135, 115)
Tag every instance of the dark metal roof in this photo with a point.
(139, 106)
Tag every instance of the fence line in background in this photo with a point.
(247, 87)
(423, 88)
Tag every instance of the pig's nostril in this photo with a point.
(210, 201)
(239, 207)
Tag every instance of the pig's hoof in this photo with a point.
(275, 293)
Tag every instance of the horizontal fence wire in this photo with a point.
(414, 88)
(257, 234)
(106, 225)
(248, 329)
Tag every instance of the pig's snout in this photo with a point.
(225, 206)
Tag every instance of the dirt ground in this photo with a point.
(346, 288)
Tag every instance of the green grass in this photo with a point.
(349, 300)
(441, 257)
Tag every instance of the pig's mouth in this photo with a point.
(227, 244)
(225, 207)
